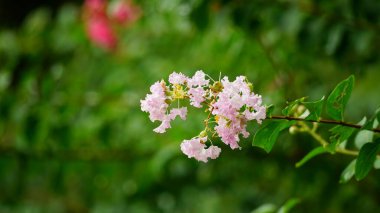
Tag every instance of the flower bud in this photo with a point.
(217, 87)
(301, 109)
(203, 134)
(293, 130)
(168, 101)
(250, 85)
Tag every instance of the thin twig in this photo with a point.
(325, 121)
(324, 143)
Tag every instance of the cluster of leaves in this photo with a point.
(341, 132)
(341, 29)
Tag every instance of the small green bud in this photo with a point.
(250, 85)
(293, 130)
(203, 134)
(168, 93)
(301, 109)
(168, 101)
(217, 87)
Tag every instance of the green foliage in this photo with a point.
(269, 110)
(292, 107)
(315, 152)
(315, 109)
(341, 134)
(73, 139)
(348, 172)
(289, 205)
(373, 122)
(338, 99)
(366, 159)
(271, 208)
(267, 134)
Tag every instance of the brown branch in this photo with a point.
(325, 121)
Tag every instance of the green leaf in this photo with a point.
(366, 159)
(290, 204)
(373, 122)
(315, 109)
(363, 137)
(310, 155)
(269, 110)
(267, 134)
(337, 100)
(340, 134)
(265, 208)
(348, 172)
(376, 164)
(287, 111)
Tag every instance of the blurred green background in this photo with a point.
(73, 137)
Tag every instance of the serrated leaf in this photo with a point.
(290, 204)
(267, 134)
(340, 134)
(310, 155)
(366, 159)
(269, 110)
(315, 109)
(288, 110)
(348, 172)
(337, 100)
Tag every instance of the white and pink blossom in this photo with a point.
(195, 148)
(155, 104)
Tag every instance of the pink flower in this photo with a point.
(181, 112)
(165, 124)
(101, 33)
(125, 12)
(95, 7)
(197, 96)
(98, 26)
(231, 121)
(195, 148)
(177, 78)
(155, 104)
(196, 90)
(198, 79)
(228, 132)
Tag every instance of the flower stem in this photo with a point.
(324, 143)
(313, 133)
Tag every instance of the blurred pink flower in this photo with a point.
(125, 12)
(95, 7)
(101, 33)
(100, 25)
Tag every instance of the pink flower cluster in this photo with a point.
(230, 105)
(99, 24)
(236, 105)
